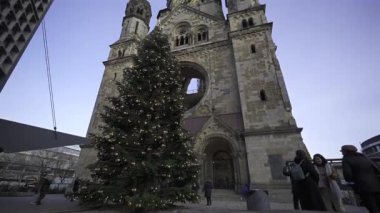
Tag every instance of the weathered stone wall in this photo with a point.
(88, 156)
(256, 13)
(112, 73)
(221, 92)
(256, 72)
(133, 26)
(261, 147)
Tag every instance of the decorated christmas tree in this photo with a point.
(145, 156)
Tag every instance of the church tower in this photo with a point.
(239, 5)
(238, 109)
(240, 114)
(135, 27)
(270, 131)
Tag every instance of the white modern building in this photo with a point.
(371, 147)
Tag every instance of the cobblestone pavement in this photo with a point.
(58, 204)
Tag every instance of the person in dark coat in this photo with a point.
(76, 185)
(43, 188)
(286, 172)
(207, 188)
(75, 189)
(360, 170)
(244, 192)
(307, 189)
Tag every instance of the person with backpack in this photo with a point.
(306, 180)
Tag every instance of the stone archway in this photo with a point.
(192, 72)
(219, 164)
(223, 170)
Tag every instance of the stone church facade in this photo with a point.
(240, 113)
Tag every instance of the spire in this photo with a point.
(140, 9)
(136, 20)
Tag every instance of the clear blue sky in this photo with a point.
(328, 51)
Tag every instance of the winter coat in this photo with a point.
(44, 185)
(207, 188)
(307, 190)
(245, 190)
(76, 186)
(333, 185)
(358, 169)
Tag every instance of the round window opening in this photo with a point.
(195, 83)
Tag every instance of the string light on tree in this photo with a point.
(143, 135)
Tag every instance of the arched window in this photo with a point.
(253, 48)
(183, 35)
(245, 23)
(250, 22)
(140, 11)
(202, 34)
(263, 96)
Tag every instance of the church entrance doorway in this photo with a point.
(223, 170)
(218, 164)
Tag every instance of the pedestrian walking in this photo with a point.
(286, 171)
(76, 185)
(328, 187)
(42, 188)
(72, 190)
(362, 172)
(69, 194)
(207, 188)
(306, 182)
(244, 192)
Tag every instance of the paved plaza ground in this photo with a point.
(58, 204)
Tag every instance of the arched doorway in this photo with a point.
(218, 163)
(223, 170)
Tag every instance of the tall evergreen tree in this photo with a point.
(145, 156)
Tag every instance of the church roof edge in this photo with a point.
(255, 8)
